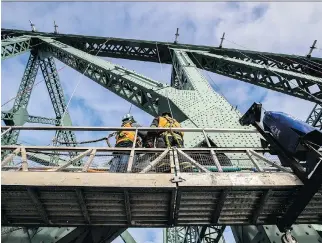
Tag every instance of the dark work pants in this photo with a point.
(120, 161)
(161, 142)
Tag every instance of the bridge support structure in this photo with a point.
(190, 96)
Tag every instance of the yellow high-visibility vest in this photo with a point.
(166, 121)
(125, 135)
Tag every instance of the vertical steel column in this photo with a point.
(19, 110)
(56, 94)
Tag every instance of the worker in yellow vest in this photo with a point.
(167, 139)
(125, 139)
(164, 139)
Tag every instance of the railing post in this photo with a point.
(24, 163)
(212, 152)
(172, 166)
(10, 156)
(89, 161)
(132, 153)
(176, 161)
(254, 161)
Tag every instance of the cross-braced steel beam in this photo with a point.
(300, 85)
(19, 110)
(56, 94)
(137, 89)
(8, 117)
(143, 50)
(11, 47)
(315, 117)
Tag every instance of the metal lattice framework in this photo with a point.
(191, 98)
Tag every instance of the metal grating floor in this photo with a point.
(161, 203)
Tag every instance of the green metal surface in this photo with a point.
(284, 81)
(141, 91)
(127, 237)
(14, 46)
(8, 117)
(19, 109)
(143, 50)
(56, 94)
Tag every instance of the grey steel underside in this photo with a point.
(193, 101)
(150, 199)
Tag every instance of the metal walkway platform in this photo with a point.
(151, 200)
(156, 188)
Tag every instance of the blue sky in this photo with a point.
(257, 26)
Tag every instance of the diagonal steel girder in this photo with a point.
(56, 94)
(287, 82)
(141, 91)
(315, 117)
(143, 50)
(23, 96)
(11, 47)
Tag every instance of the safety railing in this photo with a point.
(135, 159)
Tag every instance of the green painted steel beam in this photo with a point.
(145, 93)
(127, 237)
(27, 83)
(19, 109)
(147, 51)
(315, 117)
(57, 97)
(9, 117)
(288, 82)
(11, 47)
(42, 120)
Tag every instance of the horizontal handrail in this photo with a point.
(79, 128)
(111, 149)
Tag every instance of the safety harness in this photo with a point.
(169, 123)
(124, 136)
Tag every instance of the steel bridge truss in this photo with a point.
(192, 99)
